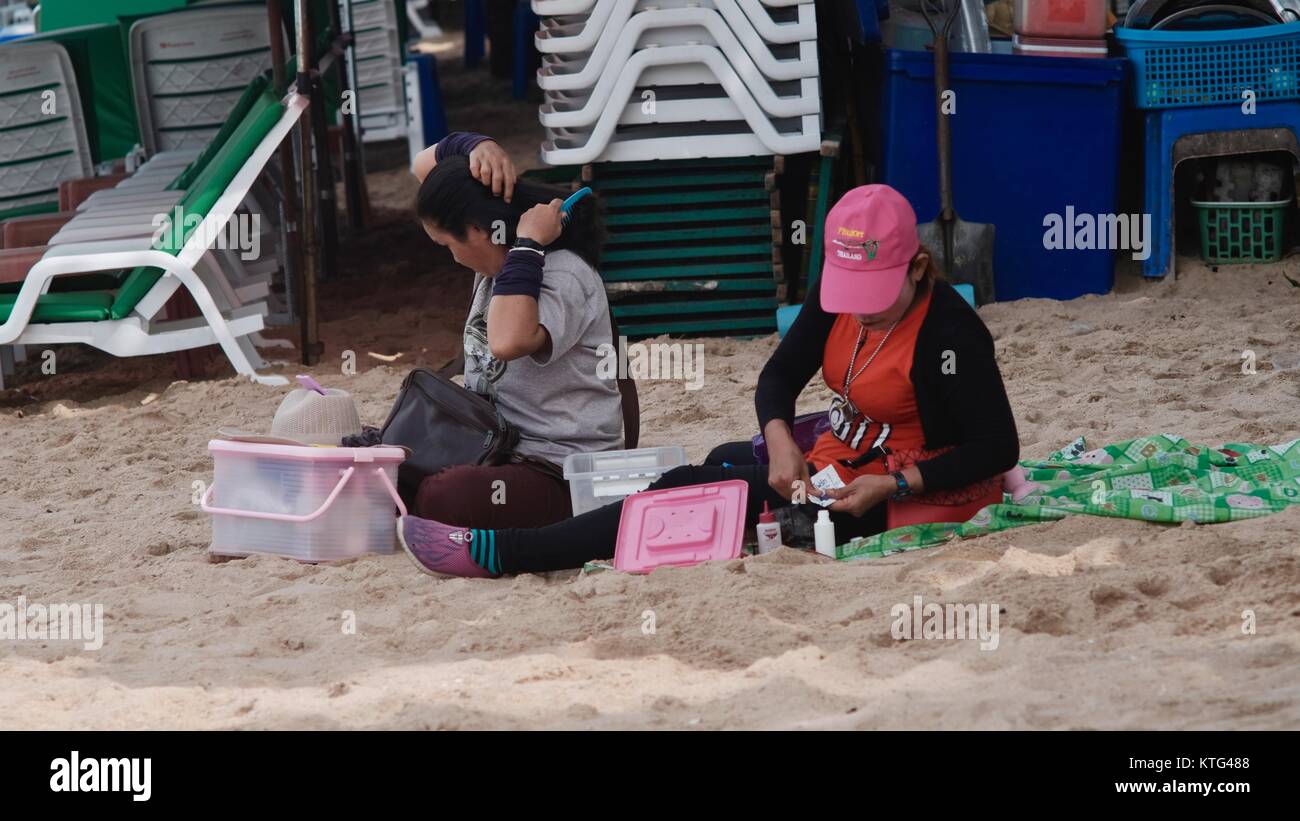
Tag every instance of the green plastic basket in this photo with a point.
(1242, 231)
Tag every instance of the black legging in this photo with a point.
(574, 542)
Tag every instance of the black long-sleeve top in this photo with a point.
(963, 406)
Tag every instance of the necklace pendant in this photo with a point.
(841, 416)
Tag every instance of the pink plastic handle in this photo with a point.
(392, 491)
(206, 502)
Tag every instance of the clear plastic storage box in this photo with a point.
(314, 504)
(599, 479)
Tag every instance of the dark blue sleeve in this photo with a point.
(521, 275)
(458, 144)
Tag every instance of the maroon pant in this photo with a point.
(521, 494)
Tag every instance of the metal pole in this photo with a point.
(288, 189)
(354, 175)
(328, 202)
(311, 346)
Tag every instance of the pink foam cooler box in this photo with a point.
(1070, 19)
(314, 504)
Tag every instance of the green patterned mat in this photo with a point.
(1161, 478)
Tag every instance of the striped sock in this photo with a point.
(483, 550)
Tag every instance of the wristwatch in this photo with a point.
(904, 489)
(530, 244)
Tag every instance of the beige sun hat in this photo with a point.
(306, 417)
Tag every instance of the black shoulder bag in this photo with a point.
(442, 425)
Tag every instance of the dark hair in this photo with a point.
(453, 200)
(933, 273)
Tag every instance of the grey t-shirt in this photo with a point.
(559, 402)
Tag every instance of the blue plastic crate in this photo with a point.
(868, 14)
(1031, 136)
(433, 117)
(1173, 69)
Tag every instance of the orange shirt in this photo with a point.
(882, 394)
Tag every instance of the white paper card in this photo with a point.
(825, 479)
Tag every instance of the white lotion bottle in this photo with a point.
(824, 534)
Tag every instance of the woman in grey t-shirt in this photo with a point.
(533, 339)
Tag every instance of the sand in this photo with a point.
(1103, 623)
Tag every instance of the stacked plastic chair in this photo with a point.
(189, 68)
(375, 66)
(44, 131)
(636, 80)
(44, 138)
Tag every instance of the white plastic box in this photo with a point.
(314, 504)
(599, 479)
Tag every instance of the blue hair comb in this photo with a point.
(566, 209)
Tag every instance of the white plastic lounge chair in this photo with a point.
(664, 29)
(190, 66)
(583, 34)
(44, 134)
(132, 207)
(428, 29)
(375, 69)
(679, 104)
(759, 134)
(559, 8)
(123, 321)
(724, 26)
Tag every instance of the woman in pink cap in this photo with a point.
(921, 428)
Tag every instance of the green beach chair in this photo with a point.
(123, 321)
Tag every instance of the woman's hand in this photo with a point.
(491, 165)
(541, 223)
(862, 494)
(786, 465)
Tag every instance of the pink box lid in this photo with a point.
(681, 526)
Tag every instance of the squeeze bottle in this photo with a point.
(769, 531)
(824, 534)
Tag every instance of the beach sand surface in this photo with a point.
(1104, 623)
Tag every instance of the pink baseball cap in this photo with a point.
(869, 244)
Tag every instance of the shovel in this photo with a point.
(964, 249)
